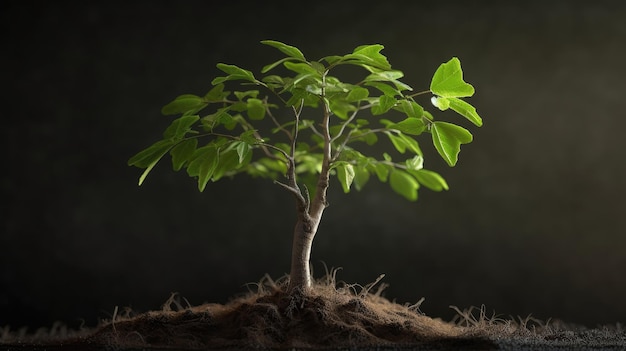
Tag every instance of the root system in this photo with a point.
(330, 316)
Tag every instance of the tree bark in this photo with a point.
(309, 213)
(300, 276)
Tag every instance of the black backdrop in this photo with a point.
(534, 221)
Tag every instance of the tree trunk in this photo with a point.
(309, 213)
(300, 276)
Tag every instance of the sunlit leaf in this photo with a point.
(341, 108)
(249, 137)
(448, 80)
(441, 103)
(288, 50)
(381, 170)
(447, 139)
(412, 126)
(256, 109)
(411, 144)
(242, 150)
(466, 110)
(234, 73)
(216, 94)
(370, 55)
(361, 177)
(385, 103)
(404, 184)
(357, 94)
(415, 163)
(345, 175)
(411, 108)
(430, 179)
(300, 67)
(397, 142)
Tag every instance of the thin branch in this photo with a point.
(320, 201)
(423, 92)
(314, 130)
(278, 125)
(296, 127)
(341, 147)
(344, 125)
(295, 192)
(271, 155)
(371, 131)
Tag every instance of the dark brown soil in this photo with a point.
(329, 317)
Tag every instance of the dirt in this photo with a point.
(331, 316)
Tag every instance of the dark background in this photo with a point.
(534, 222)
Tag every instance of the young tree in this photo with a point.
(247, 131)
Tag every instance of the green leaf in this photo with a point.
(412, 126)
(179, 127)
(370, 55)
(404, 184)
(397, 142)
(361, 177)
(411, 144)
(288, 50)
(441, 103)
(249, 137)
(384, 88)
(357, 94)
(243, 149)
(274, 80)
(345, 174)
(228, 162)
(414, 164)
(341, 108)
(388, 76)
(149, 157)
(202, 164)
(466, 110)
(269, 67)
(448, 80)
(412, 108)
(216, 94)
(150, 154)
(184, 104)
(364, 135)
(385, 103)
(381, 170)
(256, 109)
(300, 67)
(182, 152)
(447, 139)
(244, 94)
(430, 179)
(221, 116)
(234, 73)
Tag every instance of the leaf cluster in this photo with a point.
(315, 118)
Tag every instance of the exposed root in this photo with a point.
(332, 314)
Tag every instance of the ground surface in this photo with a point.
(331, 317)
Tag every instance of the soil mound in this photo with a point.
(326, 317)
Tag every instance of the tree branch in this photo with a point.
(320, 200)
(350, 119)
